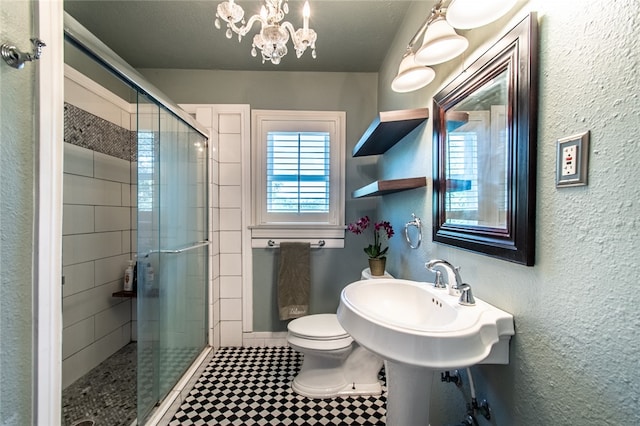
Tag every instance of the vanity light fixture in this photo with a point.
(411, 76)
(274, 32)
(467, 14)
(440, 42)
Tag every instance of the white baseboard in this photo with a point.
(264, 339)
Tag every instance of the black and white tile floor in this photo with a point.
(252, 386)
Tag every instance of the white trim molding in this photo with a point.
(265, 338)
(48, 303)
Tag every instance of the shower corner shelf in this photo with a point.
(387, 129)
(123, 293)
(382, 187)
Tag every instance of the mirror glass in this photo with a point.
(476, 157)
(484, 146)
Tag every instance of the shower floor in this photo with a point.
(107, 394)
(252, 386)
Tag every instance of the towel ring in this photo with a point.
(418, 224)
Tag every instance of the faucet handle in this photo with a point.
(466, 296)
(438, 281)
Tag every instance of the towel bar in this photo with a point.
(273, 244)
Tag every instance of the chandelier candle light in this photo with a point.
(274, 33)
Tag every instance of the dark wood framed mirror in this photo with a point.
(484, 151)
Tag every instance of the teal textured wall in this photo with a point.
(18, 148)
(574, 358)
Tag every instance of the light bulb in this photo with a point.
(441, 43)
(411, 76)
(467, 14)
(306, 12)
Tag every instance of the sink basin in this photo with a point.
(418, 330)
(414, 323)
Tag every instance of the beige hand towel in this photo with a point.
(294, 277)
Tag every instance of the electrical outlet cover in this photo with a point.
(572, 160)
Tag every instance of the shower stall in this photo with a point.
(136, 187)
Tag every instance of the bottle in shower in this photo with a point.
(128, 277)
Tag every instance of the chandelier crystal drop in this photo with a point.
(274, 33)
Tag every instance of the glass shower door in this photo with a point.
(183, 249)
(173, 251)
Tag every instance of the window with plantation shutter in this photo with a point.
(298, 174)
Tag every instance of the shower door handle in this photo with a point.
(180, 250)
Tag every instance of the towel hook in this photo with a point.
(16, 58)
(418, 224)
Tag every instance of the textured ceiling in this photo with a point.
(353, 35)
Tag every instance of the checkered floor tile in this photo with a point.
(252, 386)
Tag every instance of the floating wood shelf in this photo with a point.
(382, 187)
(456, 119)
(387, 129)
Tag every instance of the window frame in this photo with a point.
(267, 225)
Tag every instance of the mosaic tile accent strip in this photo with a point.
(89, 131)
(252, 386)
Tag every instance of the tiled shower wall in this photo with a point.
(225, 128)
(98, 234)
(230, 303)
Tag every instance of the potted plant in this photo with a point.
(377, 254)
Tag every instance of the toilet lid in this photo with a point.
(318, 327)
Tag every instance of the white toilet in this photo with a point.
(333, 364)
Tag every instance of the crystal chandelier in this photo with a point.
(274, 33)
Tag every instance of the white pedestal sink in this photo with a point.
(419, 330)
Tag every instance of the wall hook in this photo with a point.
(16, 58)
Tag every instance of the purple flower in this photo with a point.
(374, 250)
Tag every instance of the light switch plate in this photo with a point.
(572, 160)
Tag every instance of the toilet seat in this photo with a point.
(319, 331)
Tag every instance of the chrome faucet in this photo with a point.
(454, 281)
